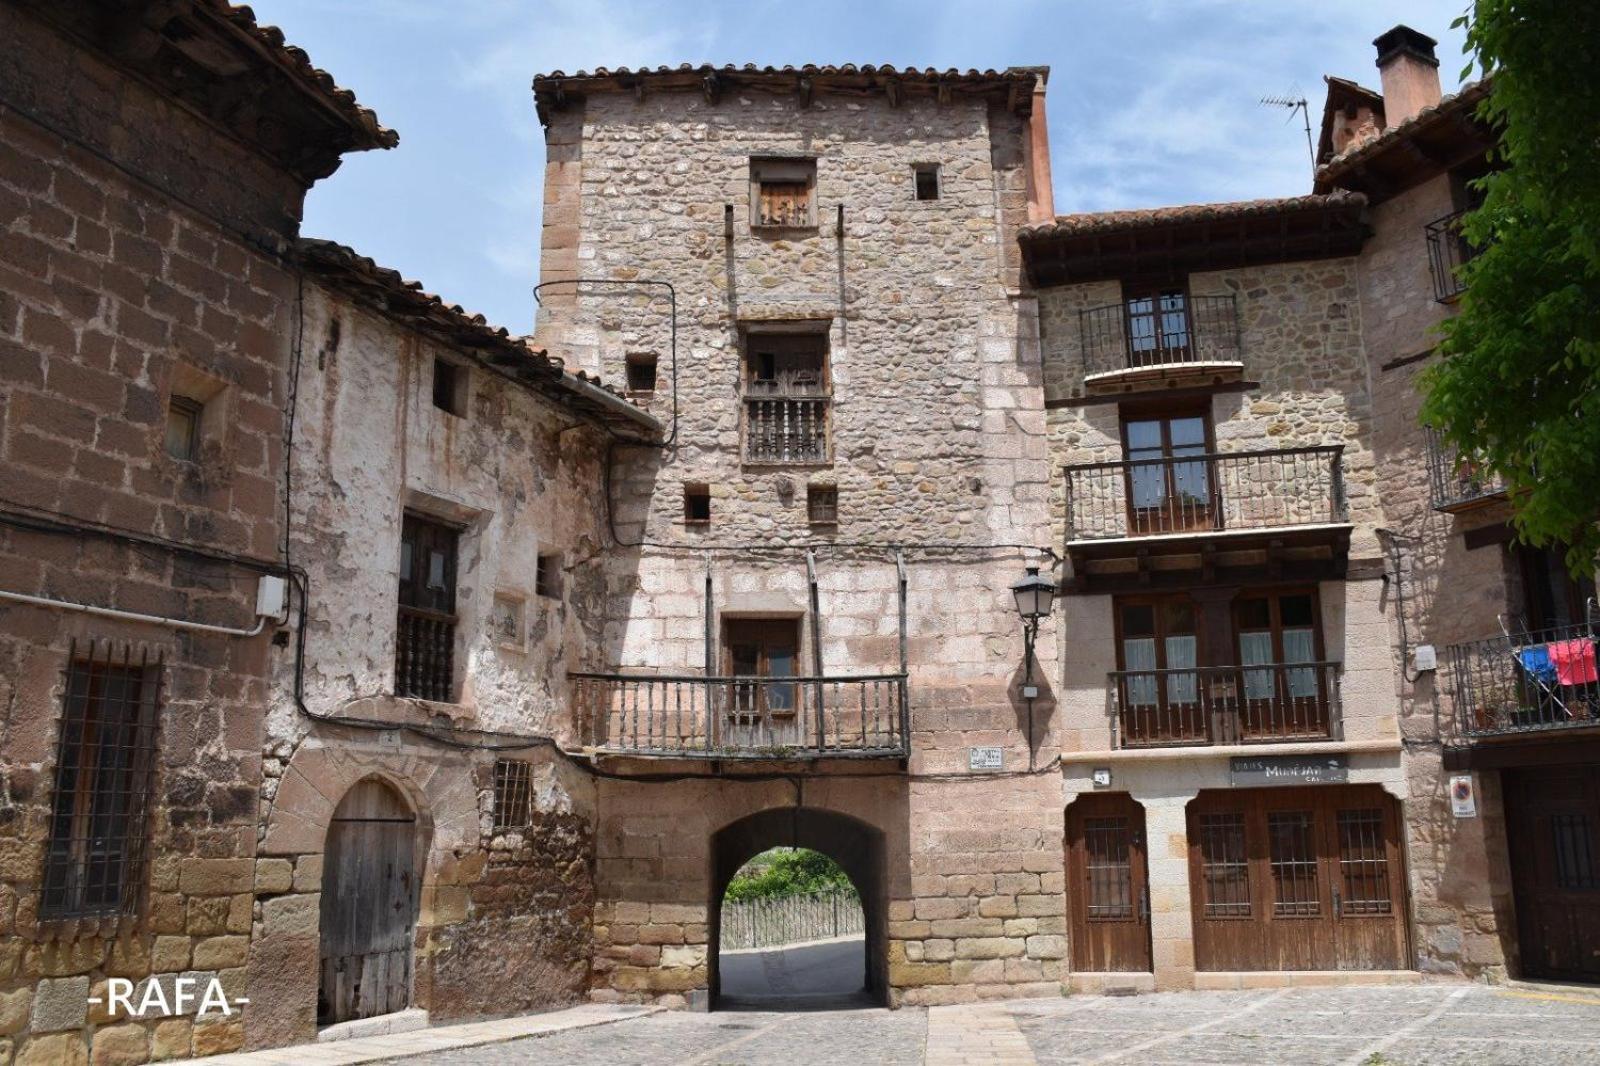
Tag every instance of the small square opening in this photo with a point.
(697, 503)
(450, 387)
(927, 180)
(183, 428)
(547, 577)
(642, 372)
(822, 505)
(783, 193)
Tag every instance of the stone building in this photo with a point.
(811, 274)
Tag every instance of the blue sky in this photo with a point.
(1151, 101)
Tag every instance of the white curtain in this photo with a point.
(1138, 655)
(1299, 647)
(1181, 688)
(1255, 649)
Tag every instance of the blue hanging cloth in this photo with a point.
(1536, 661)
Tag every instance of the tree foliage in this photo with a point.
(787, 872)
(1519, 390)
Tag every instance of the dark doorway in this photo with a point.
(369, 905)
(1553, 826)
(856, 846)
(1307, 878)
(1108, 884)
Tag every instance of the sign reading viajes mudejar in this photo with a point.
(1288, 770)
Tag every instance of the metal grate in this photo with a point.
(1106, 844)
(1224, 865)
(1291, 838)
(1448, 252)
(1574, 853)
(1363, 863)
(105, 761)
(513, 794)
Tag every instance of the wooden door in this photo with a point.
(369, 905)
(1297, 879)
(1170, 484)
(762, 713)
(1108, 884)
(1553, 822)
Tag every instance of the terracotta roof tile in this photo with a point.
(1463, 100)
(1119, 221)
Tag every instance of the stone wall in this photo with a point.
(114, 294)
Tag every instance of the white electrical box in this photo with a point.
(1426, 658)
(271, 596)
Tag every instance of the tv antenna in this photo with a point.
(1295, 103)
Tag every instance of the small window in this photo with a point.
(547, 579)
(450, 387)
(104, 769)
(822, 505)
(927, 179)
(183, 428)
(425, 643)
(513, 794)
(642, 372)
(697, 503)
(781, 193)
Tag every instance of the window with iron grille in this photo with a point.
(105, 759)
(425, 640)
(513, 794)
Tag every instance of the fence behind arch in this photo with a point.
(769, 923)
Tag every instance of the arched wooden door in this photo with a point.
(369, 905)
(1107, 884)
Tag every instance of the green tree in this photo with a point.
(787, 872)
(1520, 387)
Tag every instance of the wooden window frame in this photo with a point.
(1164, 519)
(1272, 594)
(755, 392)
(1155, 290)
(99, 829)
(822, 505)
(1321, 708)
(783, 170)
(742, 705)
(419, 613)
(194, 411)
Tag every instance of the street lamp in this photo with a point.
(1034, 595)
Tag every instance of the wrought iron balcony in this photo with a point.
(1448, 251)
(693, 716)
(1526, 684)
(1457, 482)
(1205, 493)
(1265, 704)
(1192, 329)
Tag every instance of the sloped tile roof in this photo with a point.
(1457, 105)
(1101, 222)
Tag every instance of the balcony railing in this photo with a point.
(1448, 250)
(1197, 329)
(1205, 493)
(1225, 705)
(1456, 481)
(424, 655)
(1525, 684)
(786, 430)
(866, 715)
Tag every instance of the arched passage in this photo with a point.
(856, 846)
(370, 879)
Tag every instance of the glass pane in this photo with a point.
(1149, 485)
(181, 431)
(1181, 688)
(1188, 431)
(1144, 437)
(1299, 646)
(1140, 654)
(1255, 613)
(1178, 616)
(1256, 649)
(436, 569)
(1192, 484)
(1141, 324)
(746, 659)
(1295, 610)
(1138, 620)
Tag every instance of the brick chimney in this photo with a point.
(1410, 73)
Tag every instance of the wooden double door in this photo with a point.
(1553, 827)
(369, 905)
(1297, 878)
(1108, 884)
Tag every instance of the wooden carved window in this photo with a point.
(1363, 863)
(426, 640)
(762, 648)
(1157, 324)
(782, 193)
(1224, 865)
(105, 761)
(513, 794)
(1292, 851)
(787, 397)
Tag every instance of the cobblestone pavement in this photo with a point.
(1422, 1025)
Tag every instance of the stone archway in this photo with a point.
(856, 846)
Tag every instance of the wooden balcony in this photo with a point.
(786, 428)
(1147, 522)
(693, 716)
(1266, 704)
(424, 655)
